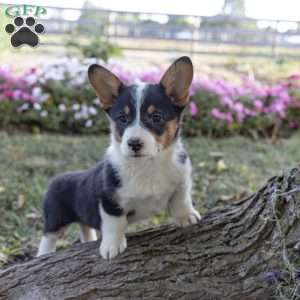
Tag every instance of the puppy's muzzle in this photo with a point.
(135, 145)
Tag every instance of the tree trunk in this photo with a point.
(243, 251)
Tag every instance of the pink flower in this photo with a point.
(193, 109)
(227, 101)
(8, 94)
(250, 112)
(294, 77)
(152, 76)
(238, 107)
(227, 117)
(293, 124)
(279, 108)
(16, 94)
(258, 105)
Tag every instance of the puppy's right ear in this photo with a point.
(106, 85)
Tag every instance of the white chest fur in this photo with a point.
(148, 184)
(146, 190)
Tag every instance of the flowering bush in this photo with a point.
(58, 98)
(247, 108)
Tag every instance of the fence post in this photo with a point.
(274, 43)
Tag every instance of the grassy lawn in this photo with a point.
(224, 171)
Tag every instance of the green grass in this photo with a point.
(224, 171)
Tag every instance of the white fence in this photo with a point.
(275, 37)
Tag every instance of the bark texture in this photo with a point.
(229, 255)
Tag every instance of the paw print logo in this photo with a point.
(24, 34)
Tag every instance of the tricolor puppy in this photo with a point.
(145, 169)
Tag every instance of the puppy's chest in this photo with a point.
(147, 193)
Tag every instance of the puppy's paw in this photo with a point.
(192, 217)
(111, 248)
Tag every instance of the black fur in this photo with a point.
(107, 191)
(154, 95)
(125, 98)
(75, 197)
(182, 157)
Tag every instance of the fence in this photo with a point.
(161, 32)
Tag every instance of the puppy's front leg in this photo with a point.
(181, 207)
(113, 234)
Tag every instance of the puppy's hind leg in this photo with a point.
(87, 234)
(48, 243)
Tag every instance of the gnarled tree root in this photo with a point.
(241, 251)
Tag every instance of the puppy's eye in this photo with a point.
(122, 118)
(156, 118)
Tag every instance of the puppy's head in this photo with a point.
(145, 119)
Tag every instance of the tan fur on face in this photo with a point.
(168, 136)
(126, 110)
(151, 109)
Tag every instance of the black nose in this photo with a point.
(135, 144)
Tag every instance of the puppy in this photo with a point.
(145, 169)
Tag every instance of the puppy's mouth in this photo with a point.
(138, 155)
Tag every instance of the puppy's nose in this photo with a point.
(135, 144)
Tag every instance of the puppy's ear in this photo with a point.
(106, 85)
(177, 80)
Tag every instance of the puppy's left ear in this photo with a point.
(177, 80)
(106, 85)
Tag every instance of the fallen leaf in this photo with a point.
(3, 258)
(20, 202)
(221, 166)
(234, 197)
(201, 164)
(216, 155)
(32, 216)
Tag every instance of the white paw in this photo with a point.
(193, 217)
(111, 248)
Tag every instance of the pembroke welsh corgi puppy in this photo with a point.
(145, 170)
